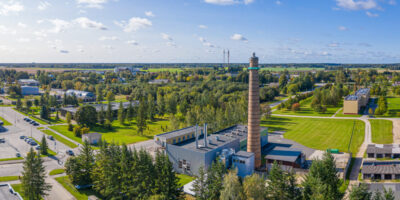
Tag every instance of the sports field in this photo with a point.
(320, 133)
(382, 131)
(306, 110)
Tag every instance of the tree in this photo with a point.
(200, 185)
(33, 177)
(100, 115)
(19, 104)
(109, 113)
(360, 193)
(44, 147)
(323, 179)
(166, 183)
(151, 107)
(371, 111)
(86, 115)
(28, 105)
(141, 117)
(79, 169)
(110, 96)
(232, 189)
(69, 117)
(44, 112)
(254, 187)
(130, 112)
(266, 111)
(281, 185)
(215, 176)
(121, 114)
(295, 107)
(77, 131)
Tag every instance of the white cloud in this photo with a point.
(7, 31)
(10, 7)
(238, 37)
(87, 23)
(132, 42)
(334, 44)
(40, 21)
(357, 4)
(134, 24)
(22, 25)
(229, 2)
(40, 34)
(149, 14)
(278, 2)
(171, 44)
(342, 28)
(63, 51)
(206, 43)
(202, 26)
(370, 14)
(92, 3)
(112, 38)
(166, 37)
(80, 49)
(23, 40)
(43, 5)
(109, 47)
(59, 25)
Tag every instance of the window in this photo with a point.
(174, 141)
(367, 176)
(188, 166)
(192, 135)
(388, 176)
(179, 140)
(370, 155)
(379, 155)
(184, 162)
(180, 164)
(397, 176)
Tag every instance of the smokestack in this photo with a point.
(253, 134)
(196, 135)
(228, 58)
(205, 135)
(223, 59)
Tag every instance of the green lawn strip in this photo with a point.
(184, 179)
(56, 171)
(6, 123)
(319, 133)
(6, 105)
(40, 121)
(121, 133)
(60, 138)
(340, 114)
(8, 178)
(306, 110)
(49, 151)
(393, 107)
(78, 194)
(18, 188)
(382, 131)
(8, 159)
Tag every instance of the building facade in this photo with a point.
(29, 90)
(82, 95)
(353, 103)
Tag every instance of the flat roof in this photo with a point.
(362, 91)
(283, 154)
(381, 167)
(383, 148)
(244, 154)
(114, 106)
(351, 98)
(179, 132)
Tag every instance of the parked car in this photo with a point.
(70, 152)
(36, 124)
(18, 155)
(28, 120)
(2, 140)
(33, 143)
(32, 122)
(26, 139)
(37, 147)
(50, 137)
(22, 137)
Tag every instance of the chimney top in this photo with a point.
(254, 62)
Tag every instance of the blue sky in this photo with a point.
(279, 31)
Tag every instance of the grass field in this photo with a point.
(121, 133)
(306, 110)
(15, 158)
(78, 194)
(393, 106)
(382, 131)
(56, 171)
(18, 188)
(8, 178)
(60, 138)
(184, 179)
(340, 114)
(319, 133)
(279, 69)
(6, 123)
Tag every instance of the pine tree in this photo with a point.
(33, 177)
(44, 147)
(232, 189)
(141, 117)
(200, 185)
(360, 192)
(101, 116)
(215, 176)
(121, 114)
(69, 117)
(281, 185)
(130, 112)
(109, 113)
(151, 107)
(166, 183)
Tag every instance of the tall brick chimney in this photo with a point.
(253, 136)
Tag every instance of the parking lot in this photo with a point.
(12, 143)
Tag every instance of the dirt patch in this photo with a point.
(396, 131)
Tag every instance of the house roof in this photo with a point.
(244, 154)
(383, 148)
(381, 167)
(283, 154)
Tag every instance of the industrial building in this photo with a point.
(353, 103)
(114, 108)
(286, 156)
(381, 170)
(189, 149)
(383, 151)
(28, 82)
(29, 90)
(92, 138)
(82, 95)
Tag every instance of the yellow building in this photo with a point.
(178, 136)
(353, 103)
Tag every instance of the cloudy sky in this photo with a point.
(279, 31)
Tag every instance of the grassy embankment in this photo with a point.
(78, 194)
(60, 138)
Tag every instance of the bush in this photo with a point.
(107, 124)
(77, 131)
(70, 127)
(295, 107)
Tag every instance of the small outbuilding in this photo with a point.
(93, 138)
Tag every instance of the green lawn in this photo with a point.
(382, 131)
(60, 138)
(6, 123)
(340, 114)
(78, 194)
(18, 188)
(184, 179)
(306, 110)
(56, 171)
(279, 69)
(121, 133)
(8, 178)
(393, 106)
(319, 133)
(49, 151)
(7, 159)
